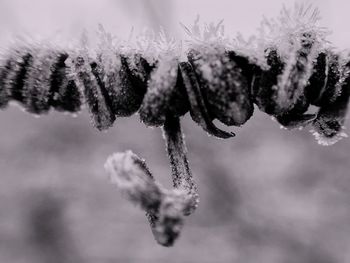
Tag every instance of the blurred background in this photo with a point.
(268, 195)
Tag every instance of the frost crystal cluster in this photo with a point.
(285, 69)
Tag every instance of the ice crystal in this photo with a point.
(287, 32)
(206, 37)
(108, 49)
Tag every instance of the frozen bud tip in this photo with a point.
(131, 175)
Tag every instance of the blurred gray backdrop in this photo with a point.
(268, 195)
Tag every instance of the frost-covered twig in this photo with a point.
(285, 69)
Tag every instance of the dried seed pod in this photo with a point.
(329, 124)
(225, 88)
(20, 62)
(65, 95)
(318, 80)
(265, 84)
(5, 93)
(140, 70)
(127, 86)
(323, 87)
(58, 79)
(285, 96)
(166, 94)
(333, 87)
(324, 84)
(124, 73)
(248, 67)
(70, 97)
(240, 87)
(296, 73)
(292, 47)
(95, 94)
(37, 87)
(111, 78)
(198, 107)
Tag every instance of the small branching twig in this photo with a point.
(165, 209)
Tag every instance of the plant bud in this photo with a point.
(224, 86)
(170, 220)
(134, 179)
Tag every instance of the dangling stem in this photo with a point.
(165, 209)
(180, 170)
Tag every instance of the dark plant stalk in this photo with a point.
(180, 169)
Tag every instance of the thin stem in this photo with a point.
(180, 170)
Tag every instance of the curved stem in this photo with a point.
(165, 209)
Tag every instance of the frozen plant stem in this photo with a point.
(165, 209)
(287, 68)
(180, 170)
